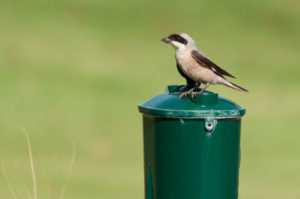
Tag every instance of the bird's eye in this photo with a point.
(178, 38)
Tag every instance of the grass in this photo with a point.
(34, 194)
(76, 70)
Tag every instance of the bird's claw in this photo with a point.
(183, 94)
(192, 92)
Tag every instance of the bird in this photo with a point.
(196, 67)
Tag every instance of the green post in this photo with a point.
(191, 146)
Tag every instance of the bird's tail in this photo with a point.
(234, 86)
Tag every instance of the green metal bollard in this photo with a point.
(191, 146)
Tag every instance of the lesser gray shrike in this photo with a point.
(196, 67)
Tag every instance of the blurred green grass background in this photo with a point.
(74, 71)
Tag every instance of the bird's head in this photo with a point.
(180, 41)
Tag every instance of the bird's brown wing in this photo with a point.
(205, 62)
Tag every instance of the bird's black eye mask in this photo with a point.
(178, 38)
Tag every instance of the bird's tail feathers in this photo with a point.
(234, 86)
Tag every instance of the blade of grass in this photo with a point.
(8, 182)
(69, 172)
(27, 191)
(31, 164)
(50, 180)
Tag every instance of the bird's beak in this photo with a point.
(166, 40)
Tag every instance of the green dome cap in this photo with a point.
(205, 105)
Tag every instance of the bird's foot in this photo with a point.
(185, 93)
(196, 92)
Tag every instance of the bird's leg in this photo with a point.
(194, 93)
(196, 87)
(186, 88)
(183, 94)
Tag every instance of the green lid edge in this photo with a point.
(168, 113)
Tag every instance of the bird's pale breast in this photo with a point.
(194, 70)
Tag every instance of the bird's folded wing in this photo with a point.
(205, 62)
